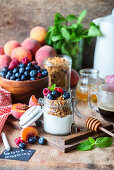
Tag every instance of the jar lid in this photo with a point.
(30, 116)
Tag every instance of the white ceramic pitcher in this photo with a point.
(104, 50)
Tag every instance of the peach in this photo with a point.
(43, 53)
(18, 109)
(33, 101)
(10, 46)
(1, 50)
(19, 53)
(4, 61)
(28, 132)
(74, 77)
(31, 45)
(38, 33)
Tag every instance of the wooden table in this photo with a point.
(47, 157)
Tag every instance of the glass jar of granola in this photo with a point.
(58, 116)
(59, 71)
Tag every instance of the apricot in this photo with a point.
(43, 53)
(4, 61)
(38, 33)
(31, 45)
(19, 53)
(28, 132)
(33, 101)
(10, 46)
(18, 109)
(1, 50)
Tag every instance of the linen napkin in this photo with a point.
(5, 106)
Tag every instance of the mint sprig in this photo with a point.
(101, 142)
(52, 88)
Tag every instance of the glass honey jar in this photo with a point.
(89, 81)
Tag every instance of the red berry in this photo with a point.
(18, 140)
(59, 90)
(25, 60)
(13, 64)
(34, 62)
(46, 91)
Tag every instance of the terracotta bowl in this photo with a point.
(22, 90)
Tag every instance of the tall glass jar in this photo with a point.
(58, 116)
(59, 71)
(89, 82)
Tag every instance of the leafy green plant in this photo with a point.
(101, 142)
(66, 33)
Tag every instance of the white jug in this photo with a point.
(104, 50)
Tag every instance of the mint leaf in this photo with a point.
(94, 30)
(85, 146)
(70, 17)
(52, 88)
(91, 140)
(59, 19)
(81, 16)
(103, 142)
(56, 38)
(65, 33)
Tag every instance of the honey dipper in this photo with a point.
(94, 125)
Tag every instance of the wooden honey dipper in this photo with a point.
(94, 125)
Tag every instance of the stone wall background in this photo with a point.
(17, 17)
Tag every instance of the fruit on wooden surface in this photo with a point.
(18, 109)
(31, 45)
(10, 46)
(19, 53)
(18, 140)
(38, 33)
(1, 50)
(43, 53)
(13, 64)
(27, 132)
(109, 79)
(4, 61)
(74, 77)
(33, 101)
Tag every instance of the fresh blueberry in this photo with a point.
(44, 69)
(12, 77)
(40, 77)
(66, 95)
(18, 79)
(64, 90)
(22, 145)
(38, 123)
(18, 75)
(39, 71)
(9, 73)
(37, 67)
(21, 70)
(42, 141)
(23, 78)
(8, 76)
(26, 73)
(33, 73)
(5, 69)
(3, 74)
(15, 70)
(44, 73)
(28, 68)
(50, 96)
(22, 65)
(32, 140)
(29, 65)
(55, 94)
(32, 78)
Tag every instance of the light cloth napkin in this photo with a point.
(5, 106)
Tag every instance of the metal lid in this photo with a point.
(30, 116)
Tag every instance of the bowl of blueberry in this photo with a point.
(23, 79)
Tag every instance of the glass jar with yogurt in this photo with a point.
(58, 116)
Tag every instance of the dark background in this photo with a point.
(17, 17)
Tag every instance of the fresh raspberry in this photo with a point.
(18, 140)
(25, 60)
(37, 78)
(59, 90)
(14, 63)
(46, 91)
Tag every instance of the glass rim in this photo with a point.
(88, 71)
(105, 86)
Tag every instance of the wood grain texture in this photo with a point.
(17, 17)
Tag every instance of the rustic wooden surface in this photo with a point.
(47, 157)
(17, 17)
